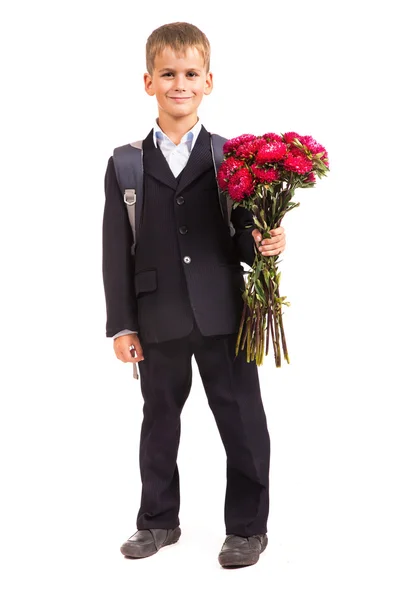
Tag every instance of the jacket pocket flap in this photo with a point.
(146, 281)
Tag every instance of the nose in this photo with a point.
(180, 83)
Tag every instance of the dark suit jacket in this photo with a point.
(187, 264)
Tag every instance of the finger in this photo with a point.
(122, 356)
(137, 353)
(275, 235)
(139, 356)
(271, 252)
(127, 357)
(277, 231)
(274, 242)
(272, 249)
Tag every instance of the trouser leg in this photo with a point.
(166, 378)
(233, 391)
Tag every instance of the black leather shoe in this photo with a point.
(146, 542)
(240, 551)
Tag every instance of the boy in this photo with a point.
(181, 295)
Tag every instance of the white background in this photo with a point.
(71, 412)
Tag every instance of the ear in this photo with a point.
(148, 84)
(209, 84)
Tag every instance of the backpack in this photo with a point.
(128, 163)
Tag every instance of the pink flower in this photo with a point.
(290, 136)
(310, 178)
(241, 185)
(231, 145)
(314, 147)
(298, 163)
(271, 152)
(249, 148)
(272, 137)
(311, 144)
(265, 175)
(226, 170)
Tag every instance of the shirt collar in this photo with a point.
(191, 135)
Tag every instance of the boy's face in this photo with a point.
(179, 82)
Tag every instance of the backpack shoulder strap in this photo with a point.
(217, 148)
(217, 144)
(128, 163)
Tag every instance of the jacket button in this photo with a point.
(186, 259)
(183, 229)
(180, 200)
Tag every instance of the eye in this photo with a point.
(167, 75)
(192, 74)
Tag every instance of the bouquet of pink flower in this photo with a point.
(262, 173)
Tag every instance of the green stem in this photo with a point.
(269, 327)
(240, 328)
(246, 331)
(284, 345)
(275, 315)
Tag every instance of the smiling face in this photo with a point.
(179, 82)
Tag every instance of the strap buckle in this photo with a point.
(130, 197)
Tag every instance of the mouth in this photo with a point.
(180, 98)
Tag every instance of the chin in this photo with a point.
(182, 113)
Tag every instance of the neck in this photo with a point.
(175, 129)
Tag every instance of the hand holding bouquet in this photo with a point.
(262, 173)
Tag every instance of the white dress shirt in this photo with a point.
(176, 156)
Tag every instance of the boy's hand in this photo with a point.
(121, 348)
(273, 246)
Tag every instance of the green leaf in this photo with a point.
(258, 270)
(259, 288)
(257, 222)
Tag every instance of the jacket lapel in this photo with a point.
(155, 164)
(200, 160)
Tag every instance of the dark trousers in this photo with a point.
(232, 388)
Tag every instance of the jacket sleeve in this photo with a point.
(118, 264)
(242, 220)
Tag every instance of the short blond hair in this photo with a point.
(178, 36)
